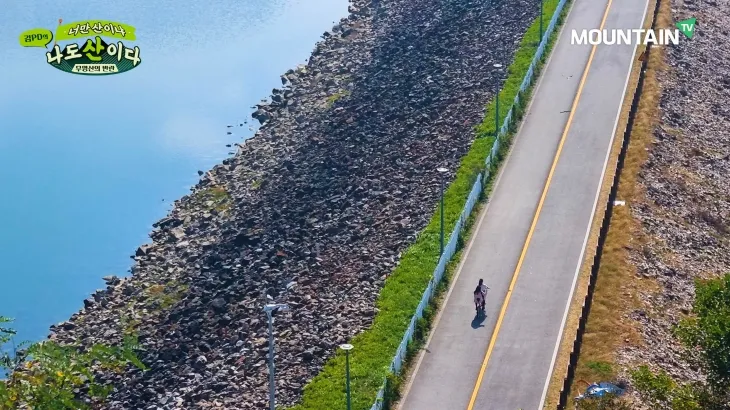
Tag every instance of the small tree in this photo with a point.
(709, 332)
(46, 375)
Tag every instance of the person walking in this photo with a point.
(478, 299)
(482, 290)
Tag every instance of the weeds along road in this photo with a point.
(530, 239)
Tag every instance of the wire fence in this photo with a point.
(482, 178)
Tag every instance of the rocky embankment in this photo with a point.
(313, 211)
(686, 181)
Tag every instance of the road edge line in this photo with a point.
(593, 215)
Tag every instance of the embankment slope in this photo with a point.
(686, 181)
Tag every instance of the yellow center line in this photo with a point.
(534, 219)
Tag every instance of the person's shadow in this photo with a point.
(478, 321)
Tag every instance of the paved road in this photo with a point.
(521, 353)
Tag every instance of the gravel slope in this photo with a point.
(687, 184)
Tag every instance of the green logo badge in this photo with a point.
(91, 55)
(687, 27)
(38, 37)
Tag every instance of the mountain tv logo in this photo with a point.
(687, 27)
(94, 56)
(635, 36)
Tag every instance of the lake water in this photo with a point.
(87, 161)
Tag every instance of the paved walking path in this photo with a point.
(450, 374)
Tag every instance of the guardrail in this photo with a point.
(585, 310)
(450, 248)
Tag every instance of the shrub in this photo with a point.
(709, 332)
(49, 376)
(707, 338)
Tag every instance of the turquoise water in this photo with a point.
(87, 161)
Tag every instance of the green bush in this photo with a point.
(709, 332)
(402, 292)
(661, 392)
(707, 339)
(48, 376)
(657, 387)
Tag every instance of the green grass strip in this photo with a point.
(375, 347)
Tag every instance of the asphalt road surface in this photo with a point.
(530, 238)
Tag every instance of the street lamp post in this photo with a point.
(347, 348)
(269, 309)
(496, 114)
(541, 1)
(442, 171)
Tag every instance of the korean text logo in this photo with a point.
(92, 55)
